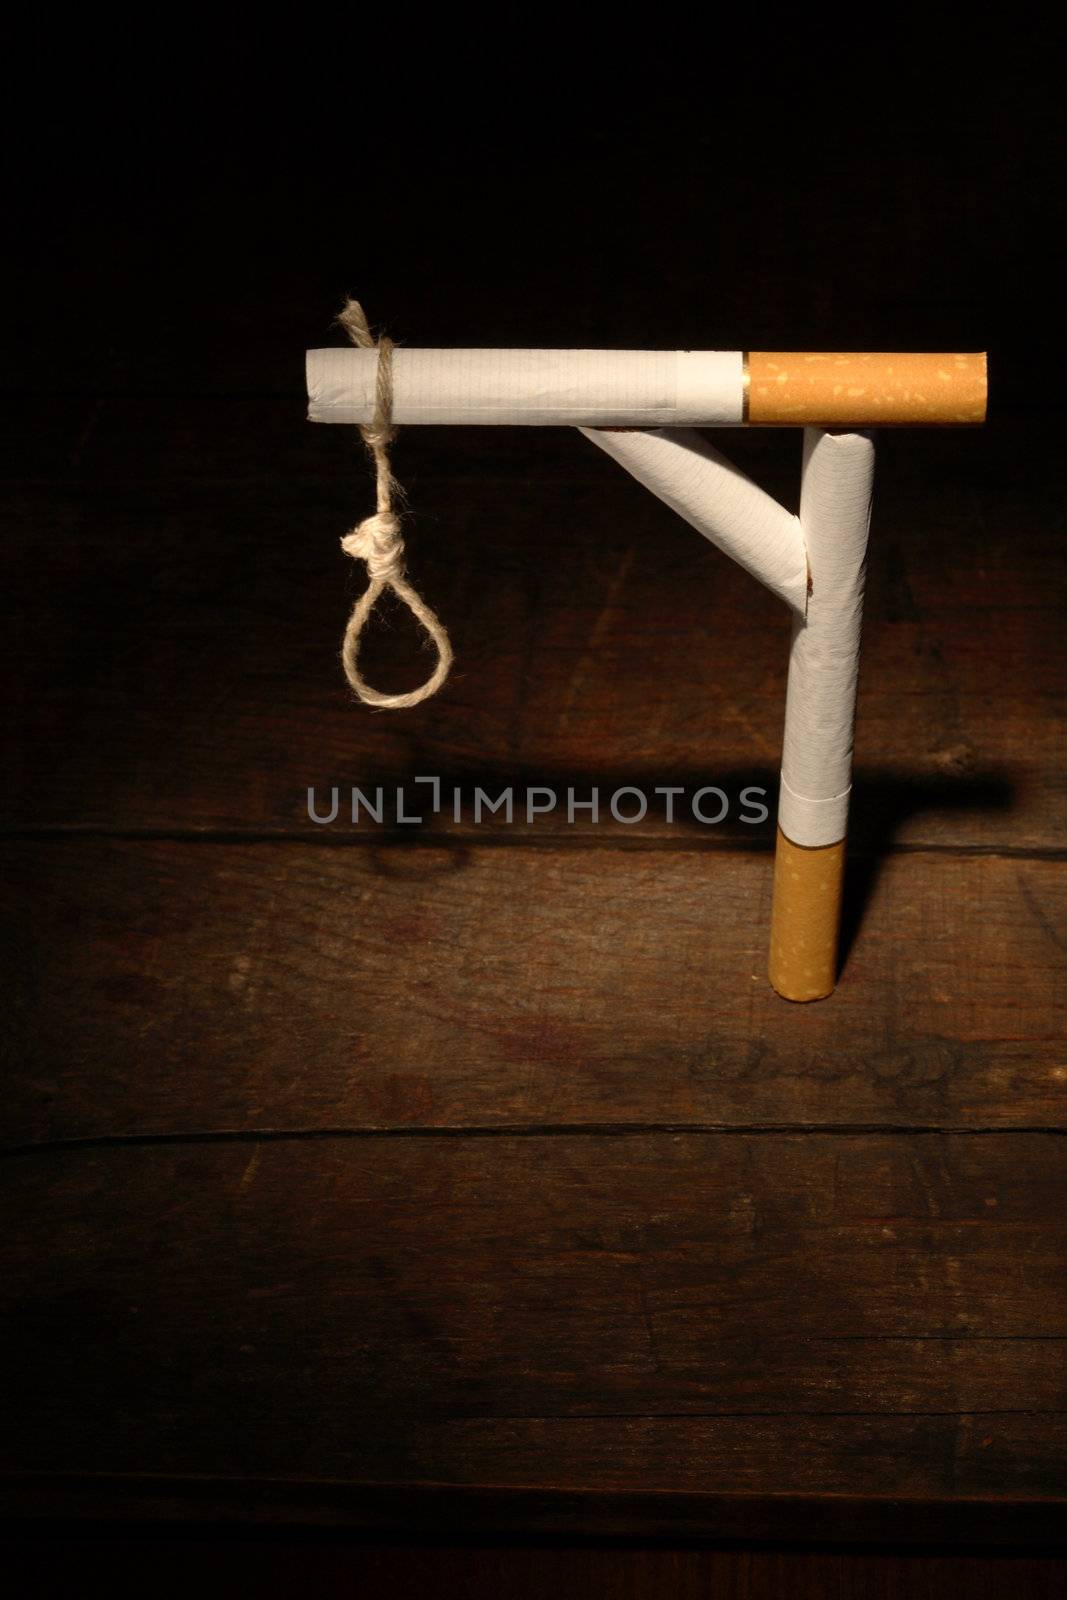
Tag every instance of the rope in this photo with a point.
(377, 539)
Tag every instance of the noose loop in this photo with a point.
(377, 540)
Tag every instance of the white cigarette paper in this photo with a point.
(688, 474)
(594, 388)
(816, 563)
(835, 513)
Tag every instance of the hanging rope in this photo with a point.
(377, 539)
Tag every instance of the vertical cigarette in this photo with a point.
(835, 509)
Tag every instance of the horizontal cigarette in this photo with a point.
(649, 388)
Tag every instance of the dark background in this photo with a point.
(190, 209)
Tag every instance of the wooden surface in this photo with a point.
(182, 652)
(458, 1174)
(278, 1563)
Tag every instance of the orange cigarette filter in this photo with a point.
(853, 390)
(806, 918)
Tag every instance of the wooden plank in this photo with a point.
(162, 987)
(258, 1511)
(178, 643)
(859, 1315)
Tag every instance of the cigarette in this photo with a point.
(650, 388)
(837, 482)
(642, 408)
(687, 473)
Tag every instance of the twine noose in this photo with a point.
(377, 539)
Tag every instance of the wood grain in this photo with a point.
(275, 1564)
(167, 987)
(372, 1177)
(178, 642)
(463, 1176)
(812, 1315)
(965, 1532)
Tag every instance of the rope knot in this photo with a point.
(377, 541)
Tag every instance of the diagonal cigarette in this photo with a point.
(641, 408)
